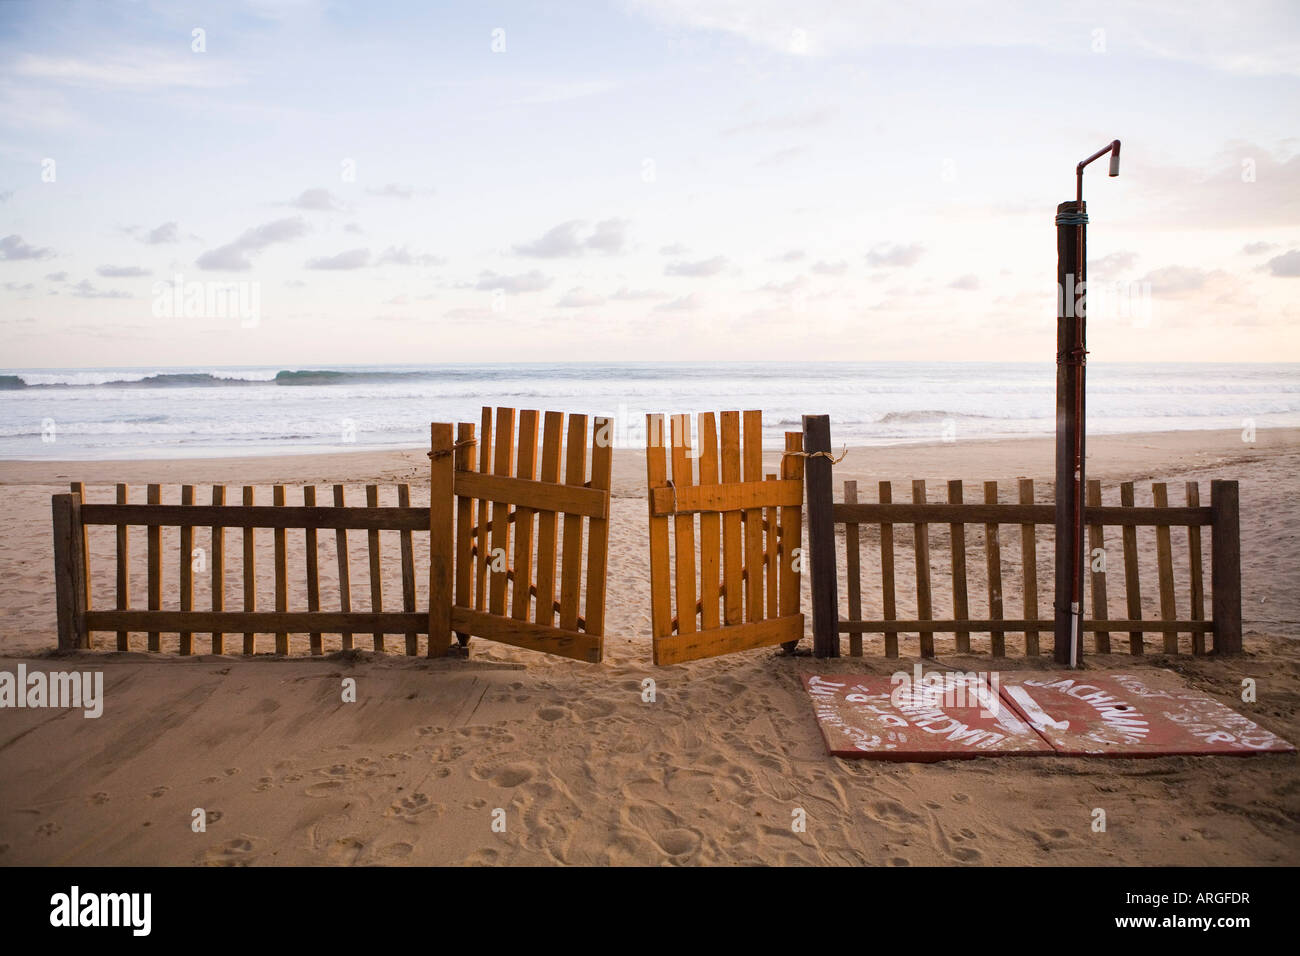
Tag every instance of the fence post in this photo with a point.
(442, 466)
(1225, 574)
(70, 572)
(821, 536)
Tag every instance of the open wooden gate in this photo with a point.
(749, 529)
(515, 520)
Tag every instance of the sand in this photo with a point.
(514, 757)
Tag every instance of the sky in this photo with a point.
(308, 183)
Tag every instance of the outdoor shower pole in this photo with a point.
(1071, 352)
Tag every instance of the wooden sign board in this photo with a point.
(957, 716)
(1151, 714)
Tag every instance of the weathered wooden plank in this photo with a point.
(78, 488)
(536, 637)
(69, 574)
(483, 564)
(464, 570)
(525, 474)
(602, 474)
(1015, 514)
(993, 556)
(503, 466)
(1132, 581)
(124, 570)
(853, 554)
(791, 543)
(533, 494)
(261, 622)
(733, 564)
(1013, 624)
(676, 648)
(575, 473)
(282, 572)
(250, 573)
(186, 556)
(1029, 562)
(376, 566)
(1196, 568)
(752, 471)
(1165, 565)
(821, 535)
(552, 443)
(217, 538)
(656, 459)
(1225, 566)
(442, 481)
(684, 527)
(294, 516)
(889, 608)
(735, 496)
(345, 568)
(1097, 542)
(710, 526)
(408, 569)
(310, 540)
(153, 538)
(921, 549)
(960, 593)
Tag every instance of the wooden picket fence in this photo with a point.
(1026, 517)
(468, 571)
(741, 589)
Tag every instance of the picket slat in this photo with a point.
(602, 474)
(1097, 542)
(485, 460)
(752, 470)
(791, 533)
(408, 569)
(250, 572)
(186, 556)
(1132, 579)
(960, 595)
(552, 441)
(281, 573)
(464, 462)
(656, 459)
(853, 554)
(684, 528)
(1197, 612)
(317, 644)
(710, 527)
(921, 549)
(504, 464)
(993, 556)
(153, 539)
(376, 567)
(575, 473)
(888, 600)
(124, 571)
(1165, 565)
(345, 568)
(1029, 560)
(525, 468)
(732, 553)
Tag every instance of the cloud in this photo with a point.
(6, 195)
(966, 283)
(687, 303)
(512, 285)
(167, 232)
(404, 257)
(705, 267)
(394, 191)
(137, 69)
(12, 248)
(1287, 265)
(1258, 248)
(637, 295)
(57, 276)
(1243, 186)
(1175, 281)
(567, 240)
(580, 298)
(830, 268)
(351, 259)
(122, 272)
(794, 255)
(24, 287)
(890, 254)
(354, 228)
(86, 290)
(236, 256)
(1114, 263)
(316, 200)
(803, 119)
(673, 249)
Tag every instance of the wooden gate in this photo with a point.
(743, 590)
(493, 569)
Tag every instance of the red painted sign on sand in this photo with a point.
(1132, 715)
(949, 715)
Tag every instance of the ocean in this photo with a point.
(193, 412)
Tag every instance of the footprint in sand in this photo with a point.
(504, 770)
(409, 807)
(99, 798)
(237, 851)
(345, 851)
(49, 828)
(326, 788)
(159, 792)
(553, 713)
(397, 851)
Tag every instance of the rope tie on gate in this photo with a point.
(456, 446)
(818, 454)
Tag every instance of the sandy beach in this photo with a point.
(585, 770)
